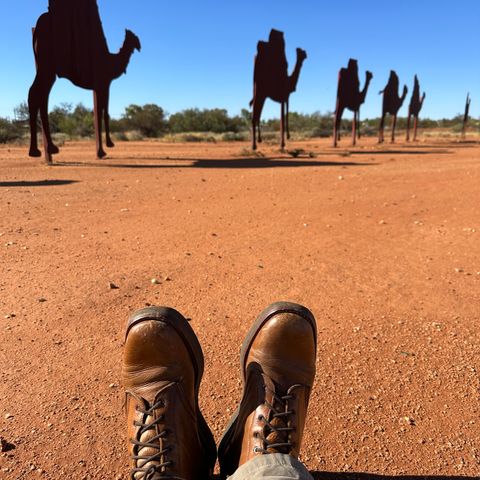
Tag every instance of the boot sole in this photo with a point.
(273, 309)
(180, 324)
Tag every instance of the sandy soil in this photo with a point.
(381, 243)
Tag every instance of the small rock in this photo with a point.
(167, 279)
(112, 286)
(409, 420)
(113, 385)
(155, 281)
(42, 299)
(382, 222)
(340, 177)
(9, 416)
(459, 270)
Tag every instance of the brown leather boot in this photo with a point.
(278, 366)
(162, 369)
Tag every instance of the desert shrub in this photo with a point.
(60, 138)
(121, 136)
(192, 138)
(235, 137)
(9, 131)
(320, 133)
(134, 136)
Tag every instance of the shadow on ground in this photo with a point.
(435, 151)
(36, 183)
(217, 163)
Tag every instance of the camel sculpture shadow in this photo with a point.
(68, 42)
(416, 104)
(36, 183)
(217, 163)
(271, 80)
(391, 104)
(350, 96)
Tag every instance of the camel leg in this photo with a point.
(336, 123)
(258, 103)
(381, 128)
(354, 128)
(38, 100)
(394, 124)
(415, 124)
(98, 108)
(282, 125)
(408, 127)
(358, 124)
(286, 120)
(33, 107)
(106, 119)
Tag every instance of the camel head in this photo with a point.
(301, 55)
(132, 42)
(368, 75)
(405, 91)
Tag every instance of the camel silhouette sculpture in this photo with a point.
(68, 42)
(465, 116)
(391, 104)
(416, 104)
(349, 96)
(271, 80)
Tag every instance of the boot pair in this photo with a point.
(162, 370)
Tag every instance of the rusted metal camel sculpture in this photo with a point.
(69, 42)
(349, 96)
(465, 116)
(271, 80)
(416, 104)
(391, 104)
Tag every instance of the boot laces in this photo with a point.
(279, 409)
(150, 467)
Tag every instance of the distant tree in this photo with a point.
(149, 119)
(214, 120)
(21, 113)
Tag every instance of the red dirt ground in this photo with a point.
(380, 242)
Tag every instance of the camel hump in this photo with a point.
(347, 82)
(271, 58)
(79, 40)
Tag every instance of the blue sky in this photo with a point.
(200, 53)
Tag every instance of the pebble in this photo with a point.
(8, 416)
(42, 299)
(112, 286)
(155, 281)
